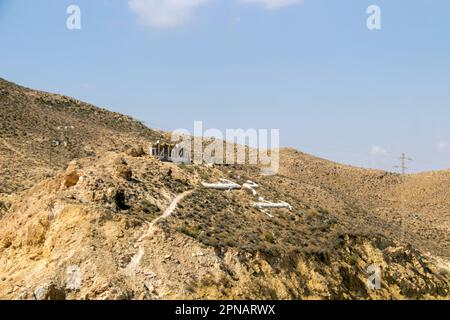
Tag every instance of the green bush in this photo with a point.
(148, 207)
(268, 236)
(192, 232)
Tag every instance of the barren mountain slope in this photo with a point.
(135, 227)
(141, 229)
(415, 208)
(40, 132)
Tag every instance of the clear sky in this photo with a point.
(310, 68)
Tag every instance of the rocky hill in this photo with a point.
(131, 227)
(41, 132)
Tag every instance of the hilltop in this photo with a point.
(41, 132)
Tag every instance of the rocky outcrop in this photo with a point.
(117, 237)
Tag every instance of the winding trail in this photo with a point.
(167, 213)
(18, 152)
(10, 147)
(135, 261)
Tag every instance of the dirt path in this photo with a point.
(10, 147)
(134, 263)
(170, 209)
(13, 149)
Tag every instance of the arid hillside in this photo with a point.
(133, 227)
(40, 132)
(414, 208)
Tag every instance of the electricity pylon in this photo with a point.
(402, 165)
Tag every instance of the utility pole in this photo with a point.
(402, 165)
(404, 159)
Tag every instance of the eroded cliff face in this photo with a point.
(124, 227)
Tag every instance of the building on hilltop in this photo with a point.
(170, 153)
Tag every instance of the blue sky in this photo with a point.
(311, 69)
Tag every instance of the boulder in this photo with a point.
(71, 179)
(50, 291)
(136, 152)
(122, 170)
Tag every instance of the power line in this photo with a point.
(403, 160)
